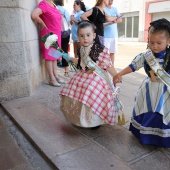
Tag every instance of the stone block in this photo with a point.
(29, 27)
(28, 4)
(15, 87)
(12, 59)
(35, 78)
(11, 28)
(25, 4)
(46, 129)
(9, 3)
(32, 54)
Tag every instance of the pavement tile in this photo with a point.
(126, 101)
(123, 144)
(11, 157)
(6, 140)
(2, 124)
(154, 161)
(90, 157)
(166, 151)
(24, 167)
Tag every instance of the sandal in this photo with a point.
(53, 82)
(60, 81)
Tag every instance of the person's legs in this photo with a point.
(64, 44)
(49, 66)
(50, 69)
(111, 44)
(113, 49)
(59, 80)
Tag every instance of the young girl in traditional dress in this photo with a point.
(151, 114)
(88, 100)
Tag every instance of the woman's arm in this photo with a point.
(35, 15)
(74, 20)
(113, 19)
(108, 23)
(86, 14)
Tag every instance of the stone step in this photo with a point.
(66, 146)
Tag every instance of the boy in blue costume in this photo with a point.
(150, 122)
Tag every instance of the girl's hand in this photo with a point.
(117, 79)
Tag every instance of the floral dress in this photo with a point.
(151, 114)
(87, 100)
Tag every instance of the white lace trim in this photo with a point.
(150, 130)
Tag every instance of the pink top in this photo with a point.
(52, 18)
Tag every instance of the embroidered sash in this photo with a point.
(87, 61)
(155, 66)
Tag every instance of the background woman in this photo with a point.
(45, 13)
(97, 16)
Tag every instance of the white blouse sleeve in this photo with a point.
(137, 62)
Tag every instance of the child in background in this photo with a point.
(79, 9)
(151, 114)
(87, 100)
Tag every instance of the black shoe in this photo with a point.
(96, 127)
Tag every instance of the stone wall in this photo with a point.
(21, 67)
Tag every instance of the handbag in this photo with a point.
(65, 30)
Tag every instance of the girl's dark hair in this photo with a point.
(82, 6)
(84, 24)
(161, 26)
(59, 2)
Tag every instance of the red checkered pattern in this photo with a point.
(93, 91)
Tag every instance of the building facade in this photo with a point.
(137, 16)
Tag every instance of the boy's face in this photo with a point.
(86, 36)
(158, 42)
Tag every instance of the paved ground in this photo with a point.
(70, 148)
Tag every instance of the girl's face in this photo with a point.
(86, 36)
(158, 42)
(76, 7)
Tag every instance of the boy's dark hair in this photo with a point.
(59, 2)
(161, 26)
(84, 24)
(82, 6)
